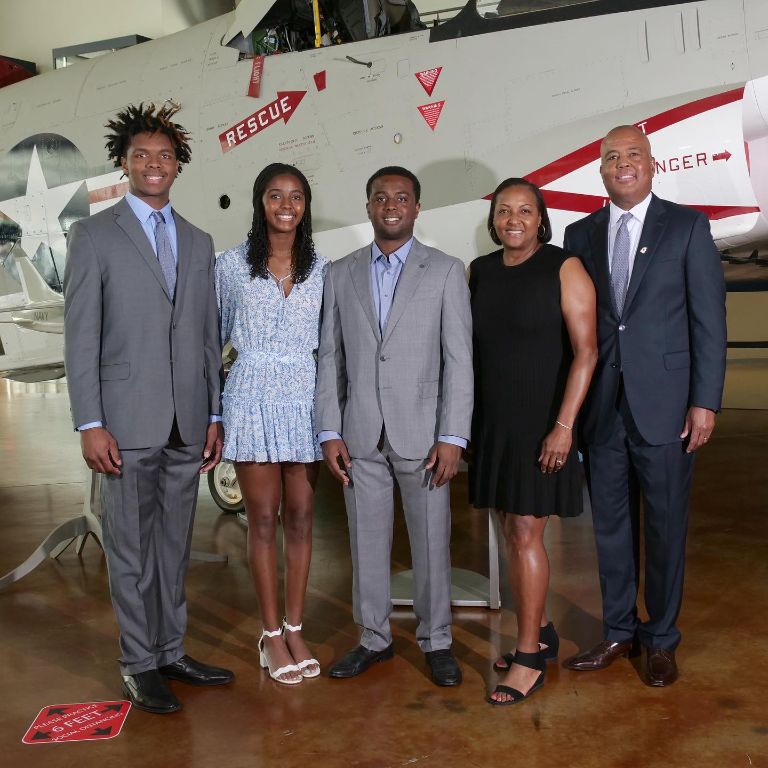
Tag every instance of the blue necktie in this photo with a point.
(165, 252)
(620, 264)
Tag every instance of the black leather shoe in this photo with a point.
(443, 667)
(358, 660)
(661, 667)
(599, 657)
(148, 691)
(188, 670)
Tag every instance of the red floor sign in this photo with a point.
(77, 722)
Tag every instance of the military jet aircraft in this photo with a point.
(527, 89)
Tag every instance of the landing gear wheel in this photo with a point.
(223, 485)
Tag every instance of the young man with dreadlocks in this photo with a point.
(143, 364)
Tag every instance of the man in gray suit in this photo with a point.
(143, 365)
(394, 403)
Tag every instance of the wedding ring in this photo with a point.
(558, 461)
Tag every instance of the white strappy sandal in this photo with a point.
(305, 663)
(275, 674)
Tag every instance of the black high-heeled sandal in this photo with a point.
(530, 661)
(547, 638)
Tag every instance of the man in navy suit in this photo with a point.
(656, 390)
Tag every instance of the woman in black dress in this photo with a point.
(535, 348)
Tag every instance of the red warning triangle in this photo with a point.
(428, 79)
(431, 112)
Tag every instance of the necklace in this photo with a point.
(275, 277)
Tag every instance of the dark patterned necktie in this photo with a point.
(165, 252)
(620, 263)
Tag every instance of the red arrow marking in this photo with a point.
(282, 108)
(722, 156)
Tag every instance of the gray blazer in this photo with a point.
(134, 358)
(417, 380)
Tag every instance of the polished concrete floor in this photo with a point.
(58, 638)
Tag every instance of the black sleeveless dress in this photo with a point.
(522, 354)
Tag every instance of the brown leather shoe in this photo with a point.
(599, 657)
(661, 667)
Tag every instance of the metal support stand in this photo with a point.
(468, 588)
(77, 530)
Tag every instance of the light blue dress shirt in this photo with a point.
(385, 274)
(144, 213)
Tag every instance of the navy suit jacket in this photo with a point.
(670, 341)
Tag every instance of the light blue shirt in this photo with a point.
(385, 274)
(144, 215)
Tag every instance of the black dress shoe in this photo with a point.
(148, 691)
(443, 667)
(358, 660)
(188, 670)
(661, 667)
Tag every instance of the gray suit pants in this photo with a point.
(370, 510)
(147, 520)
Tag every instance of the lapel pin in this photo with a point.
(643, 249)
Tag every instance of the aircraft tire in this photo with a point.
(224, 488)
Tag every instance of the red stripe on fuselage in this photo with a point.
(591, 152)
(107, 193)
(693, 108)
(715, 212)
(578, 203)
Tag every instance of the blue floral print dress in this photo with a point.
(268, 400)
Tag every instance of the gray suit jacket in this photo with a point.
(134, 358)
(417, 380)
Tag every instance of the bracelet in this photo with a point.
(564, 426)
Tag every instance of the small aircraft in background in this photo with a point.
(42, 308)
(31, 325)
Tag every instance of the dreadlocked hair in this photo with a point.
(133, 120)
(303, 255)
